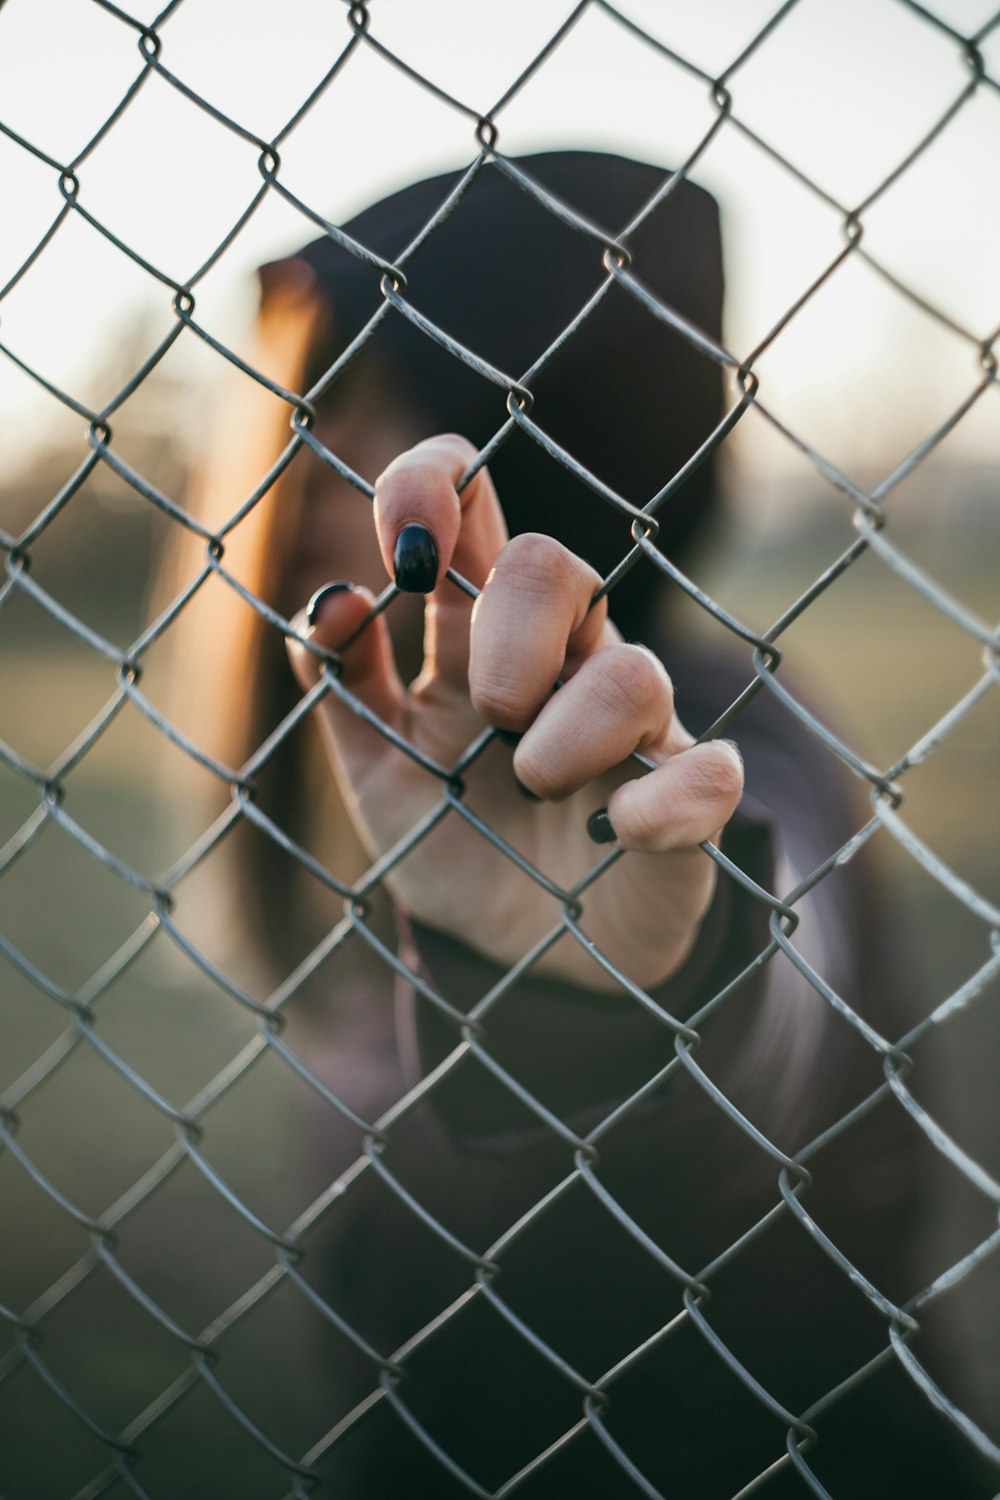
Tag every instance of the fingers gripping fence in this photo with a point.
(205, 1359)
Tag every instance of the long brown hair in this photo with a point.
(231, 684)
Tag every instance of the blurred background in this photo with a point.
(890, 353)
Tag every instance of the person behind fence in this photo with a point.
(529, 1307)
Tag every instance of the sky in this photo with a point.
(844, 89)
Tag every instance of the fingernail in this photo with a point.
(320, 597)
(415, 560)
(526, 791)
(600, 827)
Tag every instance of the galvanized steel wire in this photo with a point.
(32, 1346)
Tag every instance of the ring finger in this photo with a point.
(618, 701)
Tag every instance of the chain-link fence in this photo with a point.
(200, 1178)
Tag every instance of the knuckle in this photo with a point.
(539, 566)
(500, 699)
(534, 562)
(540, 774)
(718, 774)
(630, 681)
(638, 821)
(453, 442)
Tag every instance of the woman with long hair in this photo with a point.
(570, 1250)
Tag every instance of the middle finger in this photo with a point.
(533, 622)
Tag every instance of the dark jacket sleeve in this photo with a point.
(580, 1051)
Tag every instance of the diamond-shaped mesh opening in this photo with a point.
(352, 1142)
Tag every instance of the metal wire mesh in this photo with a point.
(200, 1362)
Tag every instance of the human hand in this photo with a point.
(494, 662)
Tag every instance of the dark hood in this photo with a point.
(626, 395)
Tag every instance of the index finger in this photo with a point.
(419, 489)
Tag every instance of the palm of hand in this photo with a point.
(494, 665)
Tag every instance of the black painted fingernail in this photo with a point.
(600, 827)
(415, 560)
(526, 791)
(321, 595)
